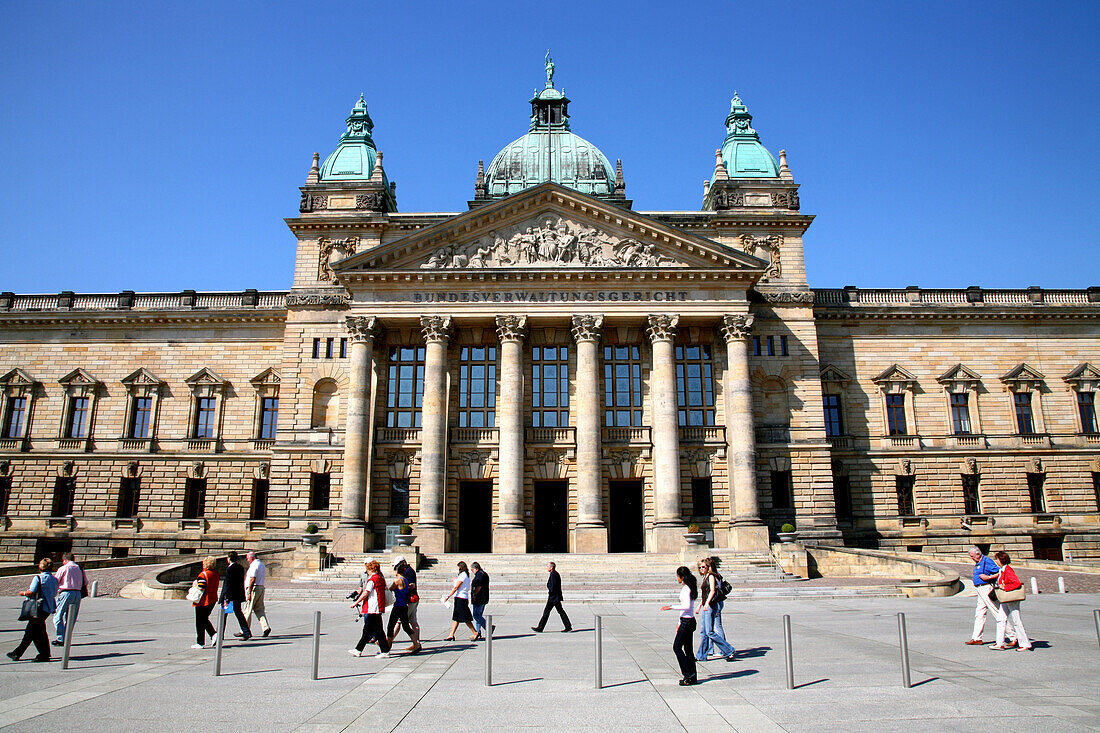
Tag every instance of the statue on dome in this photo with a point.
(549, 69)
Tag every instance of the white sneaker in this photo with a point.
(214, 640)
(355, 652)
(382, 655)
(197, 646)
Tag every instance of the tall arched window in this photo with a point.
(326, 404)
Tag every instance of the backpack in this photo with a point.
(722, 588)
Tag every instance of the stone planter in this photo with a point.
(405, 540)
(696, 538)
(311, 539)
(787, 536)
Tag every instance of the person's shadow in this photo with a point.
(752, 652)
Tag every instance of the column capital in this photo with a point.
(511, 328)
(587, 328)
(662, 327)
(736, 327)
(362, 328)
(436, 328)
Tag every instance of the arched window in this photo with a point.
(326, 404)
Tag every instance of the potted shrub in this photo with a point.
(405, 536)
(787, 533)
(311, 537)
(695, 536)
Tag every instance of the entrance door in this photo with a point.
(475, 516)
(1047, 548)
(626, 532)
(551, 517)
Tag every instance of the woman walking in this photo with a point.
(399, 612)
(711, 600)
(208, 581)
(43, 586)
(372, 604)
(1010, 610)
(683, 643)
(461, 593)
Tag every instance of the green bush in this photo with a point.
(406, 529)
(693, 528)
(788, 527)
(311, 528)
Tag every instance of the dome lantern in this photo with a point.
(742, 152)
(355, 154)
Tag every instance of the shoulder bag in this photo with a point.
(195, 593)
(31, 609)
(1006, 596)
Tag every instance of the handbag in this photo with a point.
(194, 593)
(31, 609)
(1007, 596)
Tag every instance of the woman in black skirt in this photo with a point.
(461, 593)
(685, 630)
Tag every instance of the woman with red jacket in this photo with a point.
(1010, 610)
(208, 580)
(372, 603)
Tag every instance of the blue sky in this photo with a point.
(154, 146)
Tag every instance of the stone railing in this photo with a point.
(129, 300)
(398, 435)
(965, 297)
(552, 436)
(630, 435)
(473, 435)
(703, 434)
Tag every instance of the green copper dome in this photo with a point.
(353, 159)
(742, 152)
(550, 152)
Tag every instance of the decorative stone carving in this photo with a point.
(197, 470)
(331, 251)
(322, 299)
(362, 328)
(549, 464)
(624, 463)
(436, 328)
(587, 328)
(785, 199)
(320, 465)
(662, 327)
(970, 466)
(786, 296)
(399, 463)
(1037, 466)
(552, 241)
(736, 327)
(5, 468)
(474, 464)
(371, 201)
(132, 469)
(67, 469)
(700, 462)
(729, 199)
(511, 328)
(263, 471)
(312, 202)
(905, 467)
(767, 248)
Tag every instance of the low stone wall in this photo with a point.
(173, 582)
(916, 578)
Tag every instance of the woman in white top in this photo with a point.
(685, 630)
(461, 593)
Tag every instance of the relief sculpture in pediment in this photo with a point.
(552, 241)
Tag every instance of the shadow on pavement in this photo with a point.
(516, 682)
(925, 682)
(251, 671)
(807, 684)
(731, 675)
(758, 651)
(117, 641)
(621, 684)
(108, 655)
(344, 676)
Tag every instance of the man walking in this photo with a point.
(479, 597)
(70, 581)
(402, 568)
(233, 592)
(985, 576)
(553, 600)
(254, 581)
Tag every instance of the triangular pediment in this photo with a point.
(267, 377)
(78, 377)
(204, 376)
(894, 373)
(1023, 372)
(830, 373)
(1084, 373)
(550, 227)
(17, 378)
(142, 377)
(960, 373)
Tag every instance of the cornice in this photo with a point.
(143, 318)
(669, 274)
(925, 313)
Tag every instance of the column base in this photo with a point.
(431, 540)
(510, 540)
(666, 538)
(749, 538)
(590, 540)
(350, 540)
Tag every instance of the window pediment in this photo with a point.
(205, 377)
(1085, 378)
(895, 379)
(1023, 378)
(17, 378)
(142, 378)
(830, 374)
(78, 378)
(960, 378)
(267, 378)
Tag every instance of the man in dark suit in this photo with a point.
(233, 592)
(553, 600)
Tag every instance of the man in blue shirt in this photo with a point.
(986, 573)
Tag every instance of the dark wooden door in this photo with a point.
(1047, 548)
(626, 530)
(551, 516)
(475, 516)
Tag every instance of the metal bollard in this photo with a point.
(316, 644)
(599, 652)
(1096, 618)
(489, 650)
(904, 637)
(95, 589)
(787, 651)
(70, 622)
(221, 641)
(1061, 584)
(1034, 586)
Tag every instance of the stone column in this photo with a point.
(747, 532)
(591, 532)
(352, 533)
(431, 528)
(510, 533)
(668, 528)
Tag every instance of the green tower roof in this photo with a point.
(354, 157)
(742, 152)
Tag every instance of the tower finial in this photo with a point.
(784, 169)
(315, 170)
(377, 175)
(720, 172)
(549, 70)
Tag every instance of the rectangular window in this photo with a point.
(399, 499)
(204, 417)
(622, 385)
(771, 345)
(783, 346)
(77, 424)
(895, 414)
(317, 348)
(1035, 493)
(405, 387)
(1086, 408)
(5, 494)
(140, 420)
(782, 490)
(269, 417)
(550, 386)
(972, 500)
(343, 348)
(694, 385)
(260, 489)
(756, 346)
(1095, 488)
(194, 498)
(328, 348)
(64, 494)
(842, 496)
(319, 486)
(16, 418)
(702, 501)
(960, 413)
(833, 425)
(907, 500)
(129, 493)
(1022, 401)
(477, 387)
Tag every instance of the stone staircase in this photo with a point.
(606, 578)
